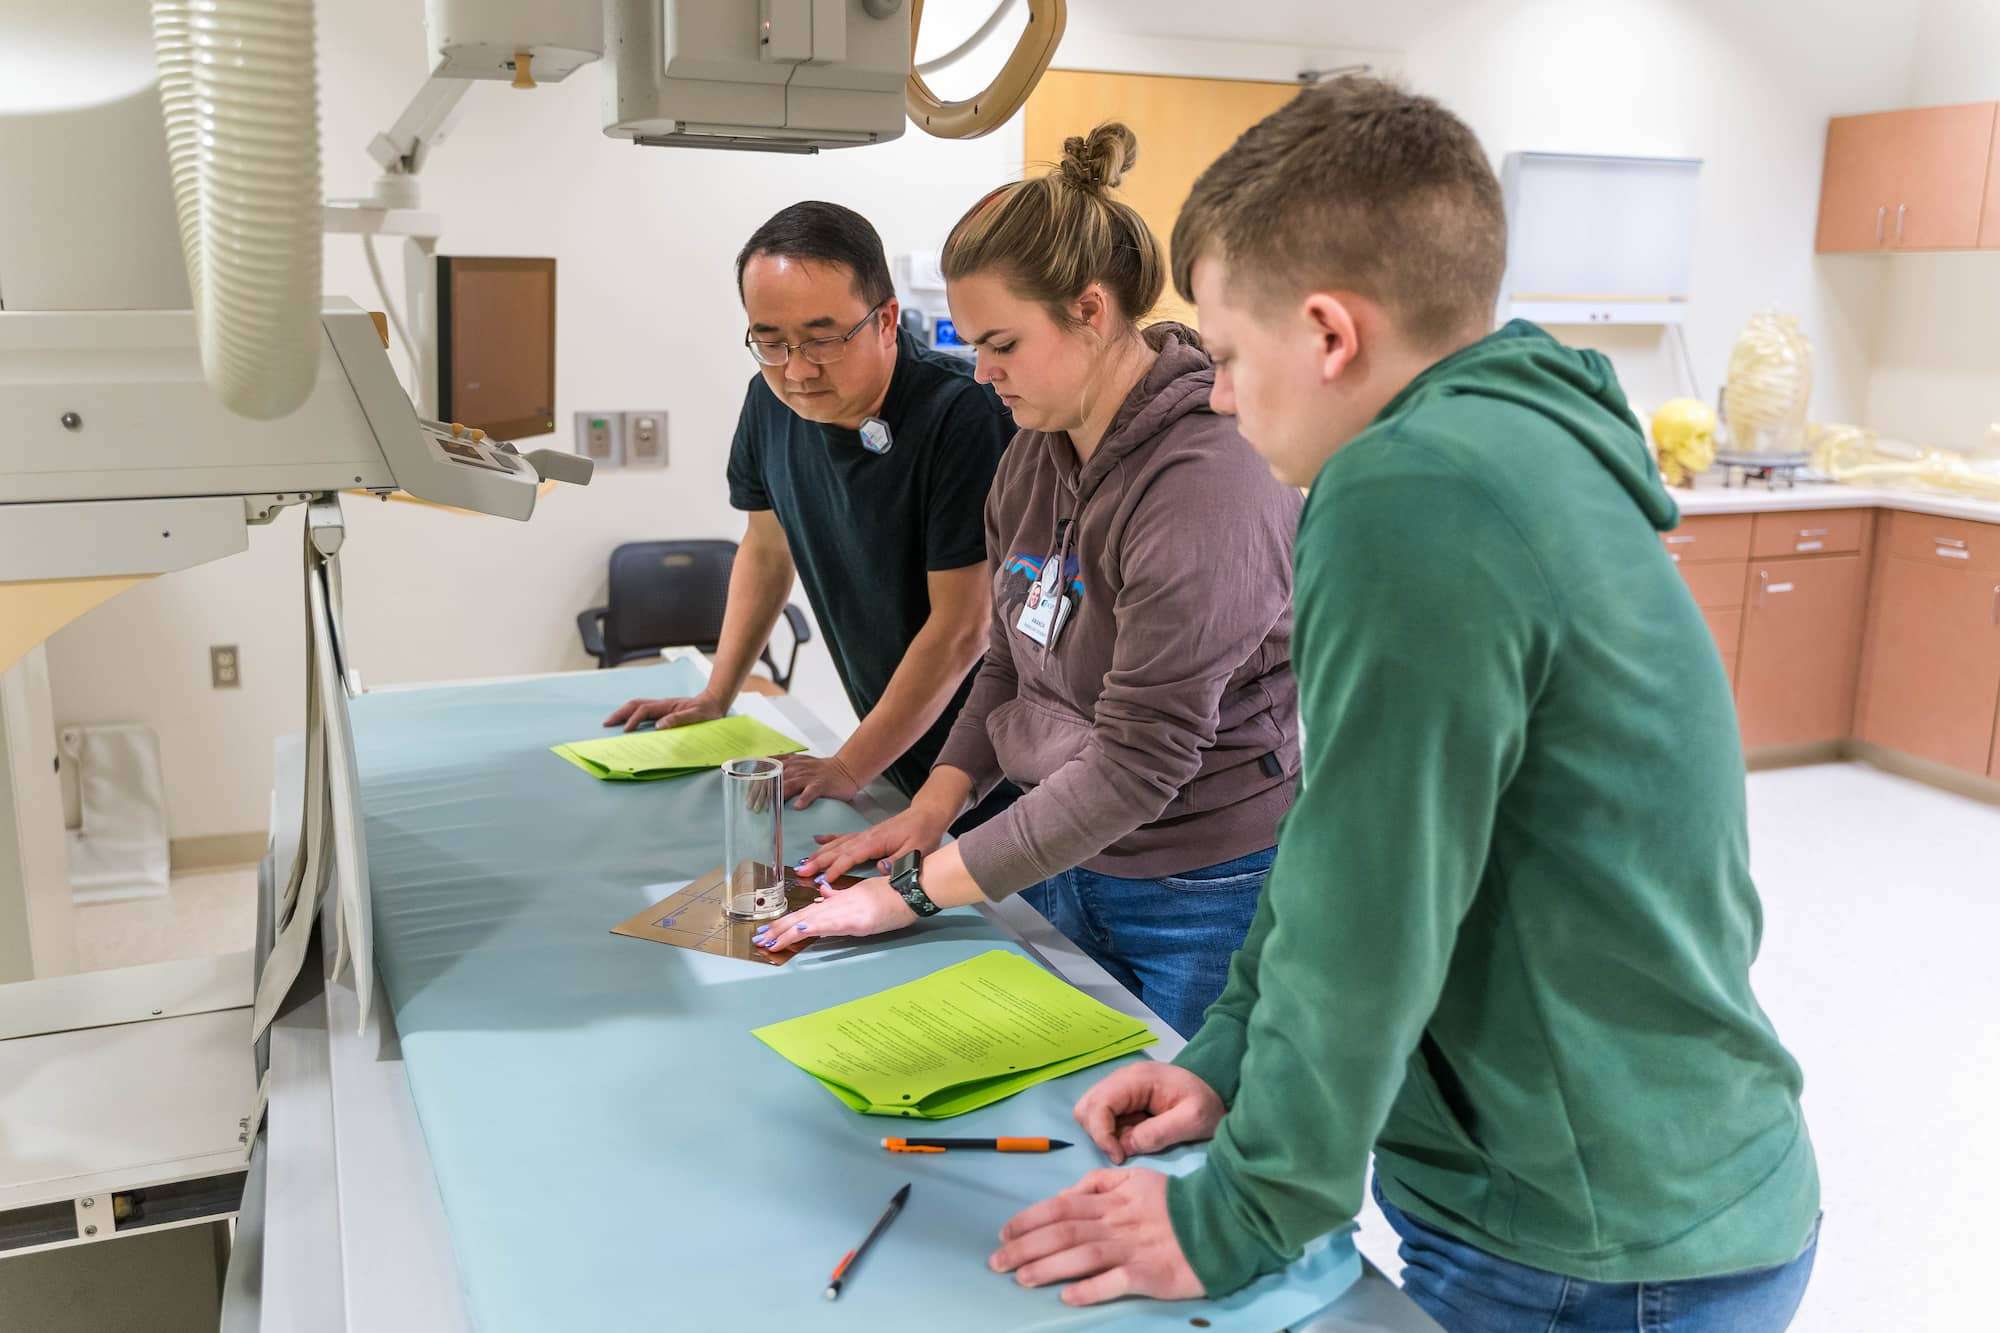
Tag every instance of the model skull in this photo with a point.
(1683, 439)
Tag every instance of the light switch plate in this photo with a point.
(600, 437)
(646, 439)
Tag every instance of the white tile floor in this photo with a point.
(207, 912)
(1882, 916)
(1881, 921)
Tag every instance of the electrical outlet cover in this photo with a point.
(600, 437)
(646, 439)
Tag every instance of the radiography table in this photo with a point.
(589, 1099)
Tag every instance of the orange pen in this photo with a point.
(975, 1145)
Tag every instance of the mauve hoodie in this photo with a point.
(1159, 733)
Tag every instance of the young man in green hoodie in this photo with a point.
(1507, 940)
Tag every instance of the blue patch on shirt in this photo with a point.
(1029, 567)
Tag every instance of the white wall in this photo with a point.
(1936, 377)
(648, 316)
(645, 240)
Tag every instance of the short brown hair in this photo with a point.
(1356, 185)
(1052, 235)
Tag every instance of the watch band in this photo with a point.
(907, 883)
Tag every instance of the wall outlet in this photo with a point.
(600, 437)
(225, 669)
(645, 439)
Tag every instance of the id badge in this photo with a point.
(1038, 618)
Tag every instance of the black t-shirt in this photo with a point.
(866, 528)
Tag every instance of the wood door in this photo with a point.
(1858, 183)
(1801, 650)
(1989, 218)
(1941, 157)
(1934, 659)
(1182, 126)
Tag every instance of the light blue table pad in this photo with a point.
(613, 1148)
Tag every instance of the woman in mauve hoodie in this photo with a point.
(1138, 682)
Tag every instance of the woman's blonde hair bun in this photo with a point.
(1100, 159)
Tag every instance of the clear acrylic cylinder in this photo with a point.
(753, 839)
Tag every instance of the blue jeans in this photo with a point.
(1470, 1291)
(1168, 941)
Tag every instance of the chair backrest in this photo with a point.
(666, 595)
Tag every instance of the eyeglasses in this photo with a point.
(819, 351)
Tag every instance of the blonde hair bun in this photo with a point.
(1099, 160)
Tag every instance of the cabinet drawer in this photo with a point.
(1716, 585)
(1712, 537)
(1808, 532)
(1951, 542)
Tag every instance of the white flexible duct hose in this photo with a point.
(239, 93)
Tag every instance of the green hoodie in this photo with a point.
(1507, 941)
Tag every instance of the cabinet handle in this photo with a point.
(1679, 539)
(1880, 214)
(1763, 584)
(1996, 603)
(1959, 542)
(1900, 210)
(1814, 532)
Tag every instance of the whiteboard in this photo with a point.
(1602, 229)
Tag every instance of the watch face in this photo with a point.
(904, 865)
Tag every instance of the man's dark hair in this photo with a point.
(821, 233)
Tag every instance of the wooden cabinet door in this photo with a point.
(1858, 183)
(1941, 156)
(1934, 679)
(1801, 650)
(1993, 766)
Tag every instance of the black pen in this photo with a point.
(854, 1255)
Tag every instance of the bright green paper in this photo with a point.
(959, 1039)
(643, 756)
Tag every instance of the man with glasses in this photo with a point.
(863, 461)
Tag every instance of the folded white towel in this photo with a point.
(120, 851)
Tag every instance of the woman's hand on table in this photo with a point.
(1107, 1236)
(914, 830)
(869, 908)
(1147, 1108)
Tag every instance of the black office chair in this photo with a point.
(671, 595)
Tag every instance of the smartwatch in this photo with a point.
(904, 872)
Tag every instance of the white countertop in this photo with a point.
(1710, 496)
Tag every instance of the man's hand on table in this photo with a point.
(1147, 1108)
(810, 778)
(664, 713)
(1107, 1236)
